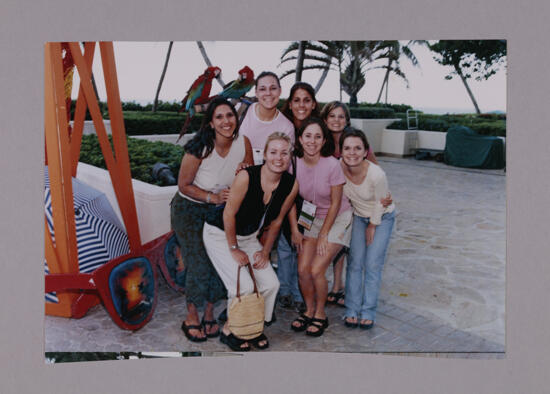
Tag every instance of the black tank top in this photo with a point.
(249, 217)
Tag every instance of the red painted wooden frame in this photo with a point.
(97, 282)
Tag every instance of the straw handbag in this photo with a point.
(246, 313)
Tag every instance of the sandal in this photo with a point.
(350, 324)
(336, 297)
(304, 322)
(367, 326)
(256, 342)
(320, 325)
(234, 343)
(193, 338)
(209, 324)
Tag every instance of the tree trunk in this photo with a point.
(208, 62)
(156, 101)
(459, 72)
(353, 100)
(387, 88)
(300, 61)
(321, 79)
(384, 83)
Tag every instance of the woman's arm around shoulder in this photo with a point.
(236, 196)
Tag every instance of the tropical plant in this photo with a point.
(320, 55)
(471, 58)
(393, 51)
(358, 57)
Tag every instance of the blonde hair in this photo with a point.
(277, 135)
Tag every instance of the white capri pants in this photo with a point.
(215, 243)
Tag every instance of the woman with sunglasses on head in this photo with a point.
(263, 118)
(337, 117)
(257, 193)
(321, 183)
(299, 107)
(372, 226)
(207, 170)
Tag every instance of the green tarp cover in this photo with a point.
(465, 148)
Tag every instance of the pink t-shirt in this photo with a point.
(315, 183)
(257, 130)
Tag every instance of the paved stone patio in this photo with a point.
(442, 294)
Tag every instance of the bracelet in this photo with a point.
(234, 247)
(208, 195)
(322, 235)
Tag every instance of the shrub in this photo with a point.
(371, 113)
(143, 123)
(143, 155)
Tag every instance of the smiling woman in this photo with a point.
(213, 156)
(263, 117)
(321, 183)
(257, 193)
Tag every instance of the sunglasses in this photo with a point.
(127, 285)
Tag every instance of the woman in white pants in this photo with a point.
(258, 192)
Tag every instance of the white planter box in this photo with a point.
(399, 142)
(373, 129)
(152, 202)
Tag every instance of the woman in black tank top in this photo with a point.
(260, 196)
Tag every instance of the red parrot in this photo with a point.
(239, 87)
(198, 93)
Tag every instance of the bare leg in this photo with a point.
(209, 316)
(304, 275)
(192, 319)
(318, 271)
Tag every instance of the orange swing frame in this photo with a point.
(63, 152)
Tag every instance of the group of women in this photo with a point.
(301, 178)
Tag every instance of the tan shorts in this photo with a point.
(340, 232)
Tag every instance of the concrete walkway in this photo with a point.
(443, 286)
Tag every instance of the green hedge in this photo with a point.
(143, 156)
(143, 123)
(372, 113)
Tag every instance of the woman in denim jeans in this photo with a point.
(372, 226)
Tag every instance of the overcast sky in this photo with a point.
(139, 65)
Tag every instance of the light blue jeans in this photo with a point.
(365, 263)
(287, 270)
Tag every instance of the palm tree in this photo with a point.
(156, 101)
(321, 55)
(358, 56)
(393, 51)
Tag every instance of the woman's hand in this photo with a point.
(369, 233)
(386, 201)
(240, 257)
(322, 244)
(242, 165)
(221, 197)
(261, 260)
(296, 239)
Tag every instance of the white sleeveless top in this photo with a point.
(215, 172)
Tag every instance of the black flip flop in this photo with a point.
(208, 324)
(185, 328)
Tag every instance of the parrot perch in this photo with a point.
(198, 93)
(239, 87)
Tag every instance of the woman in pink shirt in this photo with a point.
(321, 181)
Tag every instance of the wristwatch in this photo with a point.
(234, 247)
